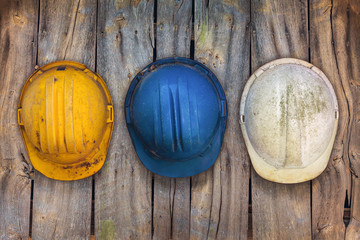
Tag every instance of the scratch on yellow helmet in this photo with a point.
(289, 118)
(66, 119)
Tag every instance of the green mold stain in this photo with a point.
(283, 112)
(202, 37)
(107, 230)
(284, 102)
(106, 167)
(312, 104)
(307, 105)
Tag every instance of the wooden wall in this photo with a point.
(228, 201)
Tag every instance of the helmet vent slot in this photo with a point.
(223, 108)
(20, 121)
(336, 114)
(127, 115)
(242, 118)
(61, 68)
(110, 118)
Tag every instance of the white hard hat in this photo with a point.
(289, 117)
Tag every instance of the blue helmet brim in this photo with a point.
(177, 169)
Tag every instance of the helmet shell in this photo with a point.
(289, 117)
(176, 115)
(65, 116)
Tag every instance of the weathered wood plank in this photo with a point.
(219, 198)
(173, 30)
(171, 215)
(123, 186)
(280, 211)
(350, 41)
(62, 210)
(346, 29)
(327, 40)
(353, 229)
(346, 26)
(344, 21)
(18, 26)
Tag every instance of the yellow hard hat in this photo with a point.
(66, 119)
(289, 117)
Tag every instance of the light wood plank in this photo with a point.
(279, 211)
(171, 216)
(18, 26)
(327, 39)
(173, 32)
(219, 197)
(123, 186)
(62, 210)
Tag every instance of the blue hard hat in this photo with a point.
(175, 111)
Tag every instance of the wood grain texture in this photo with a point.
(279, 30)
(123, 186)
(18, 26)
(353, 229)
(219, 197)
(327, 44)
(346, 29)
(171, 215)
(62, 210)
(344, 21)
(350, 41)
(173, 32)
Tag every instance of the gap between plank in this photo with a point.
(155, 32)
(152, 176)
(37, 35)
(192, 54)
(347, 207)
(96, 33)
(309, 60)
(192, 44)
(31, 207)
(32, 180)
(92, 220)
(250, 225)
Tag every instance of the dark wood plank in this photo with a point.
(219, 197)
(327, 44)
(123, 186)
(62, 210)
(18, 26)
(279, 211)
(171, 216)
